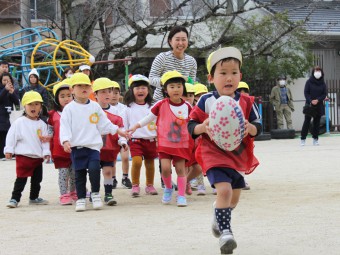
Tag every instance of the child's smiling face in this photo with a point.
(226, 77)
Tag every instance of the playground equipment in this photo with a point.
(40, 48)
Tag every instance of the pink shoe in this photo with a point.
(73, 195)
(188, 190)
(135, 190)
(65, 199)
(150, 189)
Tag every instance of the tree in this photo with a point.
(271, 44)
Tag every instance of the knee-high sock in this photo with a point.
(181, 182)
(135, 169)
(149, 170)
(167, 181)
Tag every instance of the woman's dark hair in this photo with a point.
(6, 74)
(66, 71)
(129, 97)
(176, 30)
(174, 80)
(56, 103)
(36, 76)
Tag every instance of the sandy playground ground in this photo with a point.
(293, 207)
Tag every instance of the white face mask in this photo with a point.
(317, 75)
(282, 83)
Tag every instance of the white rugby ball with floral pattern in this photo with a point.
(226, 123)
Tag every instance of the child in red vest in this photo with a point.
(172, 135)
(225, 169)
(103, 89)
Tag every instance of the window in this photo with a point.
(9, 9)
(43, 9)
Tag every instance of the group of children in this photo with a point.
(88, 135)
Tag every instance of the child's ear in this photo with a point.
(210, 78)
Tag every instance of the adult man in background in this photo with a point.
(282, 100)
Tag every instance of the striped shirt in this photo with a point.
(166, 61)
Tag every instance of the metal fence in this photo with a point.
(263, 90)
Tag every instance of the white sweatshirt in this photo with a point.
(83, 124)
(135, 113)
(23, 138)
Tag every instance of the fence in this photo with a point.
(263, 90)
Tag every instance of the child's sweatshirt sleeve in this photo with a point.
(65, 126)
(152, 115)
(11, 139)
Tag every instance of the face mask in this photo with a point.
(317, 75)
(68, 75)
(282, 83)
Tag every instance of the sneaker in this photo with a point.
(114, 184)
(12, 203)
(214, 226)
(109, 199)
(227, 242)
(303, 142)
(65, 199)
(315, 142)
(193, 184)
(126, 183)
(81, 205)
(200, 190)
(3, 159)
(135, 190)
(38, 201)
(247, 187)
(96, 200)
(214, 192)
(181, 201)
(74, 196)
(167, 195)
(188, 190)
(150, 190)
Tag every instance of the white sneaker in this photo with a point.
(227, 242)
(214, 227)
(96, 200)
(315, 142)
(81, 205)
(200, 190)
(303, 142)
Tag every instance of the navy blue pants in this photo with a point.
(85, 160)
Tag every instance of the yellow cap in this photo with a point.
(200, 88)
(63, 84)
(30, 97)
(138, 77)
(226, 52)
(80, 78)
(170, 75)
(243, 85)
(115, 85)
(102, 83)
(190, 88)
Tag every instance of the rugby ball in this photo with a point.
(226, 123)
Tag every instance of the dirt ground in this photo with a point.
(293, 207)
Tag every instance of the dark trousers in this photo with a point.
(20, 184)
(316, 127)
(3, 135)
(94, 176)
